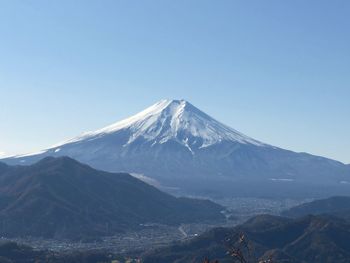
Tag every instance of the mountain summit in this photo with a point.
(174, 144)
(172, 120)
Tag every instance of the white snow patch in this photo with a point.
(29, 154)
(146, 179)
(282, 179)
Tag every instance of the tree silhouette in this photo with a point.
(241, 250)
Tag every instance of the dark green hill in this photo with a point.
(304, 240)
(336, 206)
(62, 198)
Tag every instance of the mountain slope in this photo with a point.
(179, 146)
(308, 239)
(336, 206)
(3, 167)
(59, 197)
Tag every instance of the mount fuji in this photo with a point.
(176, 146)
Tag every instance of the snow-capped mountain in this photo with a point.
(168, 120)
(177, 145)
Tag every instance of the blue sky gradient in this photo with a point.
(278, 71)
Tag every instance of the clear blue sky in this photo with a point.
(278, 71)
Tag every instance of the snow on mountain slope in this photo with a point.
(172, 119)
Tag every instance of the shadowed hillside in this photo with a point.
(336, 206)
(309, 239)
(62, 198)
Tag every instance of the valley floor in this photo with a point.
(152, 236)
(157, 235)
